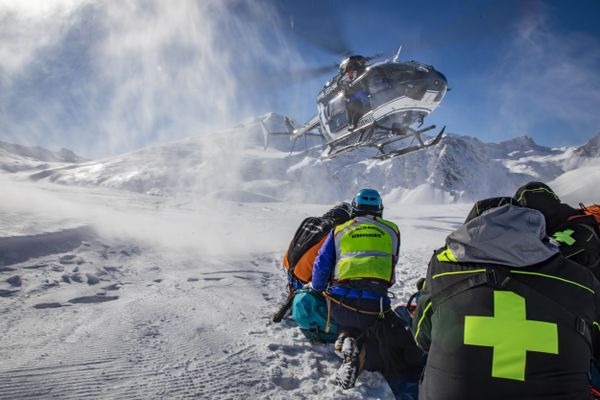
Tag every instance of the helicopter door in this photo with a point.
(336, 114)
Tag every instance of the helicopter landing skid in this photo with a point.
(410, 149)
(365, 138)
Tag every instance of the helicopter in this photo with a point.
(375, 105)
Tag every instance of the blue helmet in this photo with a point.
(367, 201)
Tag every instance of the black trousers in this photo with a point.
(356, 324)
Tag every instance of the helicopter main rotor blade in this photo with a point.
(316, 72)
(374, 57)
(308, 73)
(274, 78)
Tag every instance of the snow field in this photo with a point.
(146, 311)
(157, 275)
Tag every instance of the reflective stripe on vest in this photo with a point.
(365, 248)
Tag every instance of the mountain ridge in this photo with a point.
(234, 164)
(16, 157)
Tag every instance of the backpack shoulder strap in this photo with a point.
(477, 279)
(582, 326)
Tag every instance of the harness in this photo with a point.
(380, 313)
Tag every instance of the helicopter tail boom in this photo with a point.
(307, 128)
(267, 133)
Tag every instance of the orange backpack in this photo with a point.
(302, 251)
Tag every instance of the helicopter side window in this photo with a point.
(336, 113)
(383, 88)
(335, 106)
(402, 76)
(378, 82)
(383, 85)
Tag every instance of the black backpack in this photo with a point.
(580, 242)
(310, 232)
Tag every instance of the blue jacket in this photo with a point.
(323, 268)
(324, 264)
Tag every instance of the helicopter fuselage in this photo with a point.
(388, 95)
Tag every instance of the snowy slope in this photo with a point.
(154, 297)
(154, 274)
(235, 165)
(581, 183)
(14, 157)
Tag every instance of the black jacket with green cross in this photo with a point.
(504, 316)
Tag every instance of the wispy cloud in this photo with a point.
(548, 77)
(106, 77)
(27, 27)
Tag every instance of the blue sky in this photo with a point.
(514, 67)
(104, 77)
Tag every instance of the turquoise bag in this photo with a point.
(309, 310)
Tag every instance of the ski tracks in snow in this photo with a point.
(112, 320)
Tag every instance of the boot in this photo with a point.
(339, 343)
(348, 371)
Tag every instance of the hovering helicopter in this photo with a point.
(375, 105)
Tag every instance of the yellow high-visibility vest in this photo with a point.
(365, 247)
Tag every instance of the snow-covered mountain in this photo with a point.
(591, 148)
(14, 157)
(118, 294)
(235, 165)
